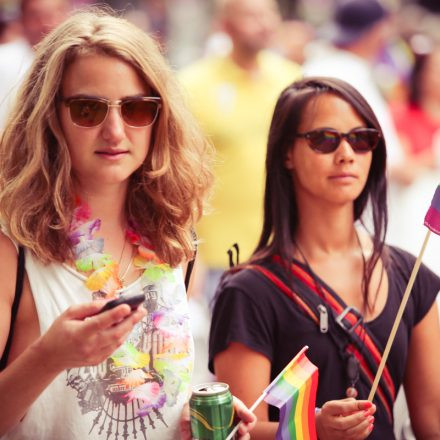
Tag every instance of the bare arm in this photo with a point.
(70, 341)
(8, 272)
(248, 373)
(422, 379)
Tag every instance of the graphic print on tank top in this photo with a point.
(134, 391)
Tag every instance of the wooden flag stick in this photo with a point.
(398, 318)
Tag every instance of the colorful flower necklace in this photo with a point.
(152, 379)
(104, 280)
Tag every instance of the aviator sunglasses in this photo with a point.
(327, 140)
(135, 112)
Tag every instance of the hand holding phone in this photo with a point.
(132, 300)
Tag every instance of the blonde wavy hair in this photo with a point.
(166, 195)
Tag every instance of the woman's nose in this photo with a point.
(113, 128)
(344, 152)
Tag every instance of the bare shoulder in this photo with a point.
(8, 272)
(8, 267)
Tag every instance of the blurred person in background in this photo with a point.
(418, 119)
(359, 32)
(37, 18)
(291, 39)
(10, 28)
(418, 124)
(233, 96)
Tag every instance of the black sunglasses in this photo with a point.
(327, 140)
(135, 112)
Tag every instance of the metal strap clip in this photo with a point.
(340, 319)
(323, 318)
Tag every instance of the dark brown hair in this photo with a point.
(280, 207)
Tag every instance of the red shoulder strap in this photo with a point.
(348, 320)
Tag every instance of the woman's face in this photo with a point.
(110, 152)
(334, 178)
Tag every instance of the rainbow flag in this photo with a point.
(432, 218)
(294, 392)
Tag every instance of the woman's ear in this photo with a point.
(288, 161)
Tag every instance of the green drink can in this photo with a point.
(212, 411)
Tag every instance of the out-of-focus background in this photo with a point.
(250, 50)
(188, 28)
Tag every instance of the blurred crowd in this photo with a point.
(234, 57)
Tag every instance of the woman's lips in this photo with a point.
(343, 177)
(112, 154)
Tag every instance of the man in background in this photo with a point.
(233, 97)
(359, 32)
(37, 18)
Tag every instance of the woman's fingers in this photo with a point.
(82, 311)
(347, 419)
(118, 332)
(242, 411)
(346, 407)
(120, 316)
(247, 418)
(352, 421)
(361, 430)
(81, 336)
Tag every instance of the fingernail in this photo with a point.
(371, 419)
(367, 413)
(370, 428)
(367, 405)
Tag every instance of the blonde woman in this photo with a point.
(103, 174)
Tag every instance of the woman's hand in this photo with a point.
(346, 419)
(247, 419)
(82, 336)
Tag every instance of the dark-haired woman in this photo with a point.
(314, 264)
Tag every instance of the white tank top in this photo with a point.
(102, 402)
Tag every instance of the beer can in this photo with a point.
(212, 411)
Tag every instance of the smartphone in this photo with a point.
(132, 300)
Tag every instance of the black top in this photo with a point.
(252, 311)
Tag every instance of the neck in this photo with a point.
(247, 60)
(325, 230)
(106, 203)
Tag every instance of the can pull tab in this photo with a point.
(323, 318)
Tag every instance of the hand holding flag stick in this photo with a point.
(294, 392)
(432, 222)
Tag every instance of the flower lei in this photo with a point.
(104, 280)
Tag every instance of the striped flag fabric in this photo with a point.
(432, 218)
(293, 391)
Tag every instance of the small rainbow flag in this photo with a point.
(294, 392)
(432, 218)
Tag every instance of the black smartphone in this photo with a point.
(132, 300)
